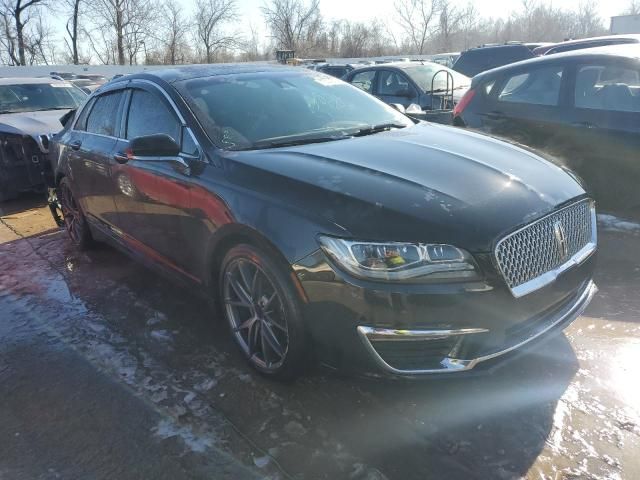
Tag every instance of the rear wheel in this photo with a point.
(263, 312)
(74, 221)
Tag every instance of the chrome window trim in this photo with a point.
(452, 365)
(164, 94)
(550, 276)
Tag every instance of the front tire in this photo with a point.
(75, 222)
(263, 311)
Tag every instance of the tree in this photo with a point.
(127, 24)
(72, 28)
(210, 20)
(450, 21)
(415, 18)
(633, 8)
(587, 21)
(294, 24)
(175, 33)
(20, 12)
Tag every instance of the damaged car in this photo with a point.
(30, 111)
(326, 224)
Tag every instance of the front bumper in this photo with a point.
(437, 328)
(374, 338)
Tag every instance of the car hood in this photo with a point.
(32, 123)
(427, 183)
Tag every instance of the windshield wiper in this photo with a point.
(52, 108)
(383, 127)
(294, 142)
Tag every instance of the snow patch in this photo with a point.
(168, 429)
(615, 224)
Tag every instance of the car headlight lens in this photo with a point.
(399, 262)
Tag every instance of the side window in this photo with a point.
(103, 117)
(81, 124)
(393, 83)
(487, 87)
(189, 145)
(364, 80)
(148, 115)
(608, 87)
(539, 87)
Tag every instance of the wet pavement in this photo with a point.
(109, 371)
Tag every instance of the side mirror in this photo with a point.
(158, 145)
(398, 106)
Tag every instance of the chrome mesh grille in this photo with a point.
(535, 249)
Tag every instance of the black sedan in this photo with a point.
(325, 222)
(582, 109)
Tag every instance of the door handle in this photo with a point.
(76, 145)
(120, 158)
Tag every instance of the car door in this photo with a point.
(153, 197)
(605, 129)
(528, 105)
(394, 87)
(90, 146)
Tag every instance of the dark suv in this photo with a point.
(481, 59)
(323, 221)
(582, 108)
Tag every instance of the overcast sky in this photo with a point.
(363, 10)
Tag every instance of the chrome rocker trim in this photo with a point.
(449, 365)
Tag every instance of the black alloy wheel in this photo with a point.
(263, 312)
(74, 222)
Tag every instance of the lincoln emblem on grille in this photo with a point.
(561, 239)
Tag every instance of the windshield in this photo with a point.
(423, 76)
(39, 96)
(264, 109)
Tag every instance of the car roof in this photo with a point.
(593, 39)
(398, 65)
(485, 48)
(189, 72)
(29, 80)
(631, 51)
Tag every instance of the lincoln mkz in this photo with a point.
(326, 223)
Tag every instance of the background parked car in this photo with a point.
(446, 59)
(62, 75)
(581, 107)
(586, 43)
(85, 84)
(95, 78)
(477, 60)
(334, 70)
(410, 83)
(30, 111)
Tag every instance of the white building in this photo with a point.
(625, 24)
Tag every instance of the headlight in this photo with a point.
(399, 262)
